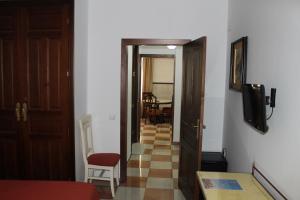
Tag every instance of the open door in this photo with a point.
(192, 111)
(135, 109)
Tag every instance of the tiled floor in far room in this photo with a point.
(153, 174)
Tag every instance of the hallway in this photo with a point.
(153, 172)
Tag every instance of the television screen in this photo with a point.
(254, 102)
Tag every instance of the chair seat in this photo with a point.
(104, 159)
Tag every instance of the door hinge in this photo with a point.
(68, 21)
(133, 74)
(68, 74)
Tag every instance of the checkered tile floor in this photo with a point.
(153, 174)
(152, 170)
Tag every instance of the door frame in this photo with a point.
(70, 114)
(123, 96)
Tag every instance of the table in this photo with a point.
(250, 188)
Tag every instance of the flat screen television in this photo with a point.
(254, 103)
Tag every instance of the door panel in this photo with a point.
(191, 114)
(46, 96)
(9, 130)
(135, 116)
(34, 71)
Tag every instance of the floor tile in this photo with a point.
(163, 135)
(148, 146)
(175, 152)
(131, 193)
(175, 173)
(175, 147)
(162, 142)
(138, 172)
(149, 128)
(161, 152)
(147, 138)
(147, 141)
(175, 183)
(162, 183)
(153, 172)
(140, 157)
(148, 151)
(138, 164)
(160, 173)
(160, 165)
(175, 165)
(178, 195)
(161, 158)
(158, 194)
(159, 146)
(133, 181)
(162, 138)
(175, 158)
(137, 148)
(148, 134)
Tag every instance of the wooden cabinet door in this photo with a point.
(35, 68)
(192, 109)
(45, 92)
(9, 128)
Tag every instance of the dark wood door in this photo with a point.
(135, 116)
(9, 95)
(192, 110)
(45, 143)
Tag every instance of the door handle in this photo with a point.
(18, 113)
(24, 111)
(198, 125)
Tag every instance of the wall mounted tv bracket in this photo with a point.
(270, 100)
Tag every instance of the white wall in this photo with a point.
(163, 70)
(273, 30)
(80, 77)
(110, 21)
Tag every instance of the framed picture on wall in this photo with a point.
(238, 64)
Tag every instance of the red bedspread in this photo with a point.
(46, 190)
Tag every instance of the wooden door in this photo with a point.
(192, 110)
(46, 101)
(9, 96)
(44, 92)
(135, 110)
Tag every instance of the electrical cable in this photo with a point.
(270, 114)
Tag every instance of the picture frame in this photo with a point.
(238, 64)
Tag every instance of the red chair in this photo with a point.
(97, 164)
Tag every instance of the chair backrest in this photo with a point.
(85, 124)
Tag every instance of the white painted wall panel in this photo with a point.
(80, 77)
(273, 31)
(109, 21)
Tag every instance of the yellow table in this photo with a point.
(251, 188)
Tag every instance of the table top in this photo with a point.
(164, 101)
(250, 188)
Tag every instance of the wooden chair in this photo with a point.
(150, 107)
(97, 164)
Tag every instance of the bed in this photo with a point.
(46, 190)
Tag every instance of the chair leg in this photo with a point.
(86, 172)
(112, 182)
(117, 171)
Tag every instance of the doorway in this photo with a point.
(124, 90)
(191, 122)
(155, 95)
